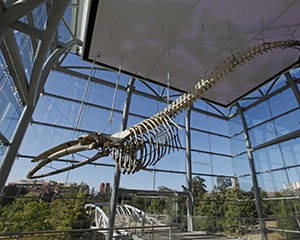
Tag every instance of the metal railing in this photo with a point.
(140, 232)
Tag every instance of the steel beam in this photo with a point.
(11, 151)
(284, 138)
(3, 139)
(31, 23)
(15, 65)
(293, 85)
(153, 193)
(272, 170)
(253, 174)
(273, 118)
(11, 14)
(19, 9)
(32, 31)
(56, 13)
(50, 62)
(117, 173)
(188, 160)
(3, 26)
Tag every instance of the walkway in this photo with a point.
(204, 236)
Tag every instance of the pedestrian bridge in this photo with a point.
(133, 223)
(130, 222)
(126, 216)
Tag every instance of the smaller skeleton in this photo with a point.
(145, 143)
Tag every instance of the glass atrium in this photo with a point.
(50, 95)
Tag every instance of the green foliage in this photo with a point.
(25, 214)
(287, 218)
(69, 213)
(205, 213)
(223, 184)
(138, 202)
(199, 189)
(30, 213)
(225, 209)
(157, 206)
(240, 210)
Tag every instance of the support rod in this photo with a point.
(253, 174)
(293, 85)
(55, 15)
(19, 9)
(14, 61)
(286, 137)
(117, 173)
(11, 151)
(3, 139)
(188, 159)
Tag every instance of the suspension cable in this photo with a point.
(84, 96)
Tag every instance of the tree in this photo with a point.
(205, 213)
(157, 206)
(69, 212)
(25, 214)
(199, 189)
(287, 219)
(31, 213)
(223, 184)
(239, 210)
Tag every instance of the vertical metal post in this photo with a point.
(4, 29)
(3, 26)
(253, 174)
(293, 86)
(188, 160)
(152, 235)
(117, 173)
(12, 149)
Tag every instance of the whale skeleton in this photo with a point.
(148, 141)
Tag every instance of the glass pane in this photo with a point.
(241, 165)
(257, 114)
(268, 159)
(238, 144)
(222, 165)
(10, 110)
(40, 16)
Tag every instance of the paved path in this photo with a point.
(164, 235)
(203, 236)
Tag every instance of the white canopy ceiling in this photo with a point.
(181, 41)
